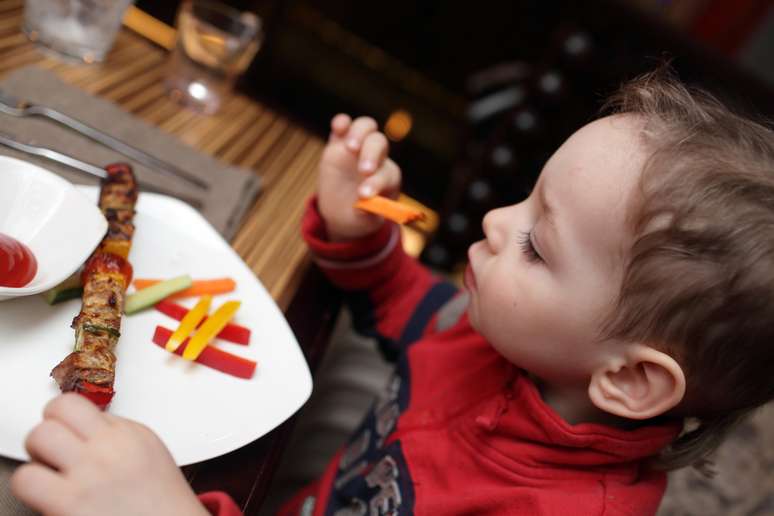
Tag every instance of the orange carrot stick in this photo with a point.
(392, 210)
(198, 287)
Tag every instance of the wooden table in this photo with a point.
(245, 133)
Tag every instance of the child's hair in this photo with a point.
(699, 283)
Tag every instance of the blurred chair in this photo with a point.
(518, 114)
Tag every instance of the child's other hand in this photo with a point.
(354, 165)
(90, 463)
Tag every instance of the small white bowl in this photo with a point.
(59, 224)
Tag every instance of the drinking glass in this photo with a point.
(80, 29)
(215, 44)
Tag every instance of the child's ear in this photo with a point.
(643, 383)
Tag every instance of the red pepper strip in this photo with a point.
(211, 357)
(100, 396)
(231, 332)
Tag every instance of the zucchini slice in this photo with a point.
(151, 295)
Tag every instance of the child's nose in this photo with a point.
(492, 229)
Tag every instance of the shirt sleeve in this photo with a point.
(219, 503)
(392, 296)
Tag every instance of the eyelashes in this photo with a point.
(525, 241)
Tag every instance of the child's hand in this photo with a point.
(87, 462)
(354, 165)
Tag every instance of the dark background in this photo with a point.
(491, 87)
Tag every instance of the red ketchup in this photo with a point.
(17, 263)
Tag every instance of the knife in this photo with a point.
(83, 166)
(15, 107)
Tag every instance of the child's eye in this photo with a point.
(525, 240)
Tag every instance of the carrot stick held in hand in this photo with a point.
(395, 211)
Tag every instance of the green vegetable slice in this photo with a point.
(149, 296)
(70, 288)
(96, 328)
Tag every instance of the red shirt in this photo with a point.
(460, 430)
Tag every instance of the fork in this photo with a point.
(14, 107)
(83, 166)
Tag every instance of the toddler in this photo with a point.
(631, 292)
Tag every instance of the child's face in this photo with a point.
(550, 267)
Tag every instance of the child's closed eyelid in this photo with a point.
(528, 247)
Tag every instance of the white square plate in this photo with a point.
(48, 214)
(199, 413)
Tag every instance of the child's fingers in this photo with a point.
(39, 487)
(340, 125)
(77, 413)
(359, 129)
(53, 444)
(373, 152)
(386, 180)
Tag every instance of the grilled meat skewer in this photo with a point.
(90, 368)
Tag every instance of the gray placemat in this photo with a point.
(232, 190)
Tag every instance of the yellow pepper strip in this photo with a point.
(119, 247)
(210, 328)
(189, 323)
